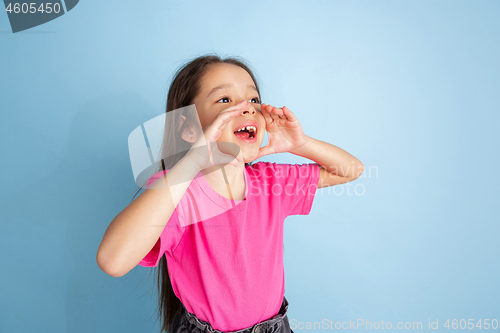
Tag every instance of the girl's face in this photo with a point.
(222, 86)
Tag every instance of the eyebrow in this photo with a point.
(227, 85)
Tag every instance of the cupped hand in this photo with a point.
(284, 131)
(205, 151)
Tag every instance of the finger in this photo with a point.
(265, 112)
(235, 109)
(274, 114)
(267, 107)
(279, 113)
(289, 115)
(269, 110)
(226, 116)
(232, 109)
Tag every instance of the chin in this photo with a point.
(248, 159)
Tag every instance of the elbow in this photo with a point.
(109, 266)
(361, 169)
(358, 171)
(116, 275)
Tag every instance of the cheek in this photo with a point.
(206, 116)
(226, 135)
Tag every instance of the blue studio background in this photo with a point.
(409, 88)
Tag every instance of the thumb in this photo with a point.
(235, 162)
(229, 159)
(233, 152)
(263, 151)
(223, 159)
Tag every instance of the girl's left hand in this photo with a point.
(283, 131)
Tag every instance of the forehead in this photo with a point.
(221, 74)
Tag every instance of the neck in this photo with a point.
(233, 174)
(227, 180)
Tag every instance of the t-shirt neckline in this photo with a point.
(219, 199)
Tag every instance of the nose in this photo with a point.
(251, 110)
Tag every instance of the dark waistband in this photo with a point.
(259, 327)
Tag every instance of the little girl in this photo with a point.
(218, 219)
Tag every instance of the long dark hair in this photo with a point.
(184, 88)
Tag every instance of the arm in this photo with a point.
(136, 229)
(286, 135)
(336, 165)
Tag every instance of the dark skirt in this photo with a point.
(186, 322)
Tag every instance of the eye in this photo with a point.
(257, 100)
(225, 97)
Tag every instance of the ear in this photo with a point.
(189, 133)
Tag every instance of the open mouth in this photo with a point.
(246, 133)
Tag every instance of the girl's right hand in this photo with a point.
(205, 151)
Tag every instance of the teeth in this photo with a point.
(253, 128)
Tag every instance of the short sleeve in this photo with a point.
(300, 182)
(167, 242)
(169, 238)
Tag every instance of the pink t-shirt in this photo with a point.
(225, 258)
